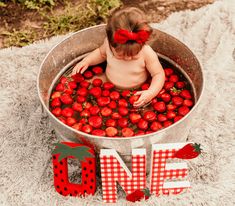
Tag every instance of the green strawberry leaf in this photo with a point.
(146, 192)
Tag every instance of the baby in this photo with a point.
(129, 59)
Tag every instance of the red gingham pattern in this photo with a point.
(160, 174)
(112, 171)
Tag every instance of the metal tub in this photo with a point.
(76, 46)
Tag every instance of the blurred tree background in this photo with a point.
(25, 21)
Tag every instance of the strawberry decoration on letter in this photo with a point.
(138, 195)
(189, 151)
(86, 156)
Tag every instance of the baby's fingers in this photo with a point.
(139, 102)
(83, 69)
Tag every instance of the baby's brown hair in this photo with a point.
(131, 19)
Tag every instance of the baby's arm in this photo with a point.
(158, 77)
(95, 57)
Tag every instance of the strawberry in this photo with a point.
(185, 94)
(86, 157)
(72, 85)
(133, 99)
(188, 103)
(122, 103)
(189, 151)
(70, 121)
(87, 128)
(177, 101)
(180, 85)
(82, 91)
(171, 107)
(57, 111)
(55, 95)
(88, 74)
(166, 97)
(174, 78)
(87, 105)
(60, 87)
(62, 120)
(95, 91)
(98, 132)
(77, 107)
(161, 117)
(143, 124)
(127, 132)
(149, 116)
(68, 90)
(116, 115)
(145, 86)
(94, 110)
(111, 131)
(134, 117)
(168, 71)
(85, 113)
(67, 112)
(111, 123)
(108, 85)
(177, 118)
(112, 105)
(95, 121)
(122, 122)
(183, 110)
(167, 123)
(77, 126)
(106, 111)
(155, 126)
(66, 99)
(63, 80)
(126, 93)
(114, 95)
(97, 82)
(85, 84)
(56, 102)
(159, 106)
(174, 91)
(138, 195)
(105, 93)
(97, 70)
(77, 77)
(171, 115)
(81, 99)
(103, 101)
(123, 111)
(168, 85)
(160, 93)
(140, 132)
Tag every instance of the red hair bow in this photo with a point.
(121, 36)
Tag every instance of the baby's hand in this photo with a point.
(80, 67)
(145, 97)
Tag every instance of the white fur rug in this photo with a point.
(26, 138)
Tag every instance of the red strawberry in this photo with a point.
(97, 82)
(168, 71)
(171, 107)
(134, 117)
(133, 99)
(168, 85)
(103, 101)
(108, 85)
(63, 80)
(77, 107)
(143, 124)
(188, 103)
(81, 99)
(82, 91)
(138, 195)
(155, 126)
(126, 93)
(105, 93)
(57, 111)
(167, 123)
(85, 84)
(174, 78)
(97, 70)
(88, 74)
(98, 132)
(112, 105)
(123, 111)
(87, 105)
(160, 106)
(87, 128)
(85, 113)
(171, 114)
(116, 115)
(140, 132)
(67, 112)
(55, 95)
(72, 85)
(161, 117)
(62, 120)
(123, 122)
(95, 121)
(70, 121)
(145, 86)
(177, 118)
(60, 87)
(111, 123)
(183, 110)
(94, 110)
(56, 102)
(122, 103)
(149, 116)
(106, 111)
(127, 132)
(180, 85)
(174, 91)
(77, 77)
(68, 91)
(166, 97)
(160, 93)
(177, 101)
(111, 131)
(189, 151)
(77, 126)
(66, 99)
(83, 121)
(95, 91)
(185, 94)
(114, 95)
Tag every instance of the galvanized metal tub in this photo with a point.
(76, 46)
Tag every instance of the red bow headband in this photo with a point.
(121, 36)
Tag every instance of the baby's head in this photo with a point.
(130, 22)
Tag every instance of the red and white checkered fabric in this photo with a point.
(160, 173)
(113, 170)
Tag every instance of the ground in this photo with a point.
(20, 26)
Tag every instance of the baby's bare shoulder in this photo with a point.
(149, 53)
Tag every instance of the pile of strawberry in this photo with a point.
(86, 103)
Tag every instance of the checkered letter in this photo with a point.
(161, 171)
(114, 170)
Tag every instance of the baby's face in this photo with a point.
(120, 55)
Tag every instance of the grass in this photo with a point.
(72, 19)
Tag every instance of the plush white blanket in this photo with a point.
(26, 138)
